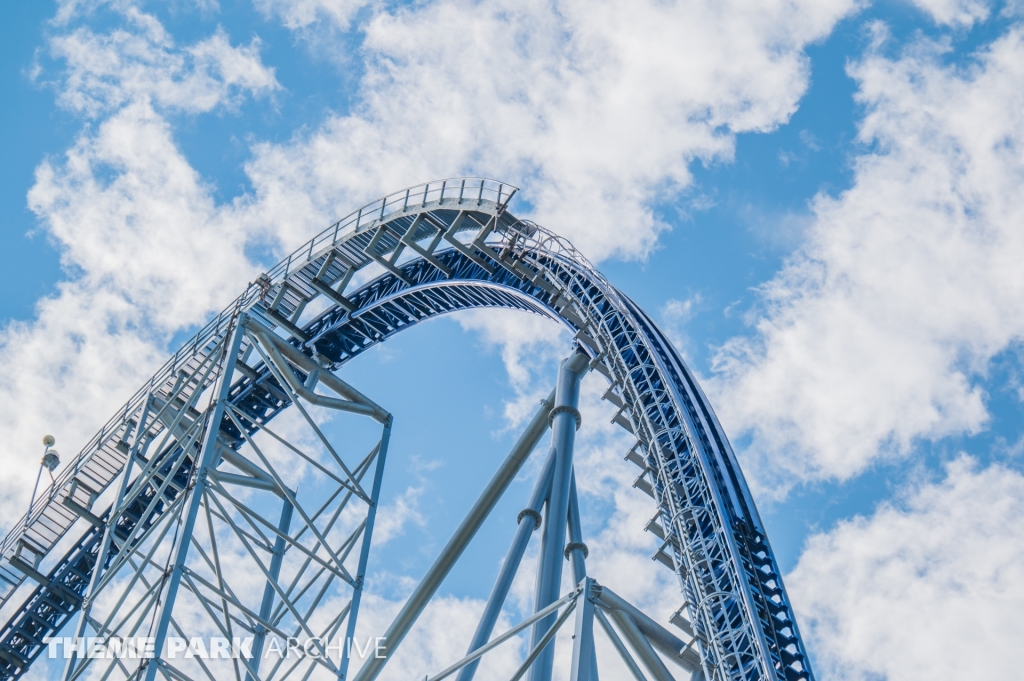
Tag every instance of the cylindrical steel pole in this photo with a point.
(268, 591)
(584, 657)
(660, 637)
(576, 549)
(641, 646)
(101, 555)
(565, 419)
(527, 524)
(364, 552)
(627, 659)
(457, 544)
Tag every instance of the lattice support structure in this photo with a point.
(181, 481)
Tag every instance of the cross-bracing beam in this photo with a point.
(584, 656)
(268, 591)
(529, 520)
(553, 503)
(209, 512)
(450, 554)
(206, 458)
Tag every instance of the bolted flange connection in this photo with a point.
(572, 546)
(529, 512)
(567, 409)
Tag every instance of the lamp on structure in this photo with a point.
(50, 461)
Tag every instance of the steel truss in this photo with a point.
(201, 533)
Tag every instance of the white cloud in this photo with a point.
(302, 14)
(876, 332)
(596, 108)
(909, 592)
(959, 13)
(136, 220)
(140, 61)
(393, 518)
(439, 638)
(65, 377)
(71, 10)
(529, 346)
(675, 315)
(146, 250)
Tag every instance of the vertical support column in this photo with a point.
(576, 551)
(422, 594)
(364, 551)
(268, 591)
(565, 419)
(101, 555)
(529, 520)
(584, 667)
(207, 460)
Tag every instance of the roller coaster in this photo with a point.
(181, 516)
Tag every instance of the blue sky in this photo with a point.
(819, 201)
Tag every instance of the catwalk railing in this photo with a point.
(100, 459)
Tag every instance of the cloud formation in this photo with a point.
(956, 13)
(140, 61)
(311, 14)
(908, 591)
(146, 250)
(593, 107)
(596, 109)
(876, 332)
